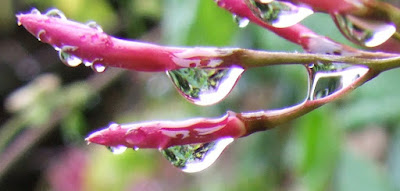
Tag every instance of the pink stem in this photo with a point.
(97, 47)
(163, 134)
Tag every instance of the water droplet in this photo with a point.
(367, 32)
(67, 58)
(196, 157)
(94, 25)
(327, 79)
(242, 22)
(117, 149)
(135, 148)
(40, 33)
(35, 11)
(278, 13)
(98, 67)
(56, 13)
(87, 63)
(205, 86)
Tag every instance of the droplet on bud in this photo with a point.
(327, 79)
(196, 157)
(94, 25)
(98, 67)
(242, 22)
(117, 149)
(205, 86)
(56, 13)
(67, 58)
(35, 11)
(279, 14)
(366, 32)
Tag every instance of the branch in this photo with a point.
(96, 47)
(93, 45)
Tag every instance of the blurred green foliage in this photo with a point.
(323, 150)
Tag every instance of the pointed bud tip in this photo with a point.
(97, 138)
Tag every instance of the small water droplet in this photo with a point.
(40, 33)
(117, 149)
(327, 79)
(35, 11)
(242, 22)
(205, 86)
(114, 126)
(367, 32)
(135, 148)
(67, 58)
(87, 63)
(196, 157)
(94, 25)
(279, 14)
(56, 13)
(98, 67)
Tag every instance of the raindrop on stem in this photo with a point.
(366, 32)
(35, 11)
(67, 58)
(117, 149)
(94, 25)
(327, 79)
(241, 22)
(196, 157)
(279, 14)
(98, 67)
(56, 13)
(205, 86)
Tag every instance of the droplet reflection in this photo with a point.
(196, 157)
(205, 86)
(279, 14)
(327, 79)
(366, 32)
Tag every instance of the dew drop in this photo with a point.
(279, 14)
(205, 86)
(40, 33)
(98, 67)
(35, 11)
(56, 13)
(117, 149)
(366, 32)
(67, 58)
(242, 22)
(327, 79)
(135, 148)
(87, 63)
(94, 25)
(196, 157)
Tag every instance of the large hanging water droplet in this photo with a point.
(242, 22)
(367, 32)
(94, 25)
(56, 13)
(205, 86)
(196, 157)
(67, 58)
(327, 79)
(117, 149)
(279, 14)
